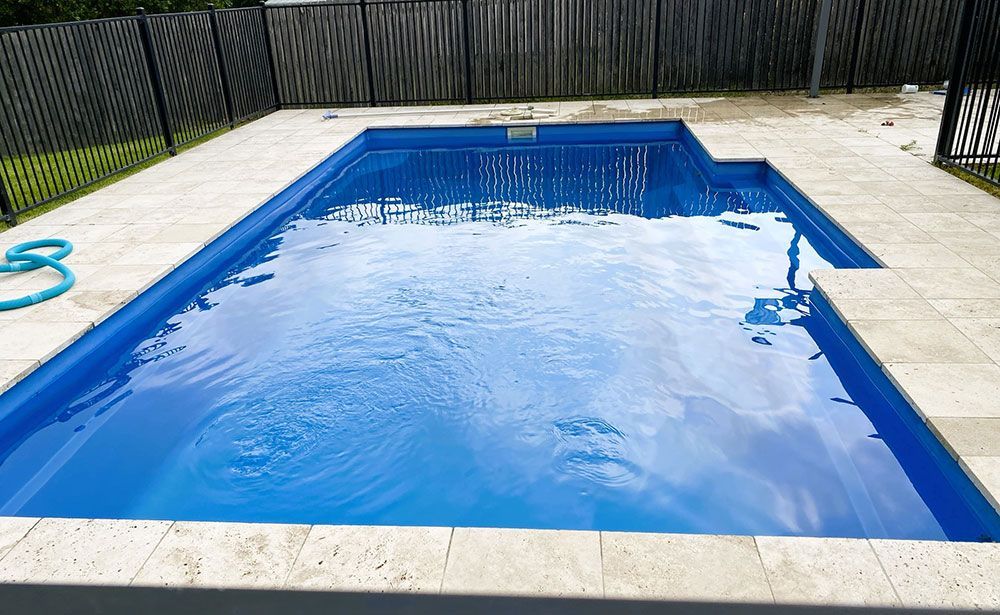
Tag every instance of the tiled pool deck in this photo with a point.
(931, 319)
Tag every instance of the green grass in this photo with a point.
(976, 181)
(994, 172)
(54, 172)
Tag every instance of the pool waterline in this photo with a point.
(743, 172)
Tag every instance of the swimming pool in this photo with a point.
(594, 328)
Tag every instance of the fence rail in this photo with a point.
(970, 125)
(82, 101)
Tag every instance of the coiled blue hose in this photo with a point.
(19, 259)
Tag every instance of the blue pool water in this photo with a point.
(445, 328)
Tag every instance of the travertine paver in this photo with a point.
(960, 283)
(916, 341)
(116, 277)
(984, 333)
(966, 308)
(372, 558)
(79, 306)
(683, 567)
(505, 562)
(968, 436)
(942, 574)
(13, 529)
(158, 253)
(100, 551)
(985, 473)
(825, 571)
(200, 233)
(11, 371)
(938, 238)
(524, 562)
(862, 284)
(952, 390)
(885, 309)
(25, 340)
(918, 255)
(223, 554)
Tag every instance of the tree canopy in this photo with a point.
(26, 12)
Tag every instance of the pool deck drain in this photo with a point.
(930, 319)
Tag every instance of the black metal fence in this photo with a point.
(970, 126)
(82, 101)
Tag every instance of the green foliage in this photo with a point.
(990, 187)
(27, 12)
(40, 175)
(54, 172)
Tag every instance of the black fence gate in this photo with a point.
(970, 126)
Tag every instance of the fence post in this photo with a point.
(656, 49)
(220, 58)
(820, 50)
(270, 54)
(956, 82)
(368, 52)
(852, 68)
(159, 97)
(468, 53)
(6, 207)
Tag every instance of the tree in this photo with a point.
(26, 12)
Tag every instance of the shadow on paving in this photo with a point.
(56, 599)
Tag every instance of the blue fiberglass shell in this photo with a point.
(391, 412)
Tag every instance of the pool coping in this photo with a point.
(499, 561)
(539, 558)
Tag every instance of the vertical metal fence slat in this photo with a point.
(988, 100)
(166, 38)
(39, 128)
(101, 150)
(66, 139)
(43, 45)
(970, 130)
(956, 84)
(33, 189)
(138, 89)
(6, 174)
(220, 58)
(104, 131)
(6, 205)
(157, 81)
(107, 129)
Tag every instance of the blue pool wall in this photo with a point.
(935, 475)
(829, 240)
(20, 407)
